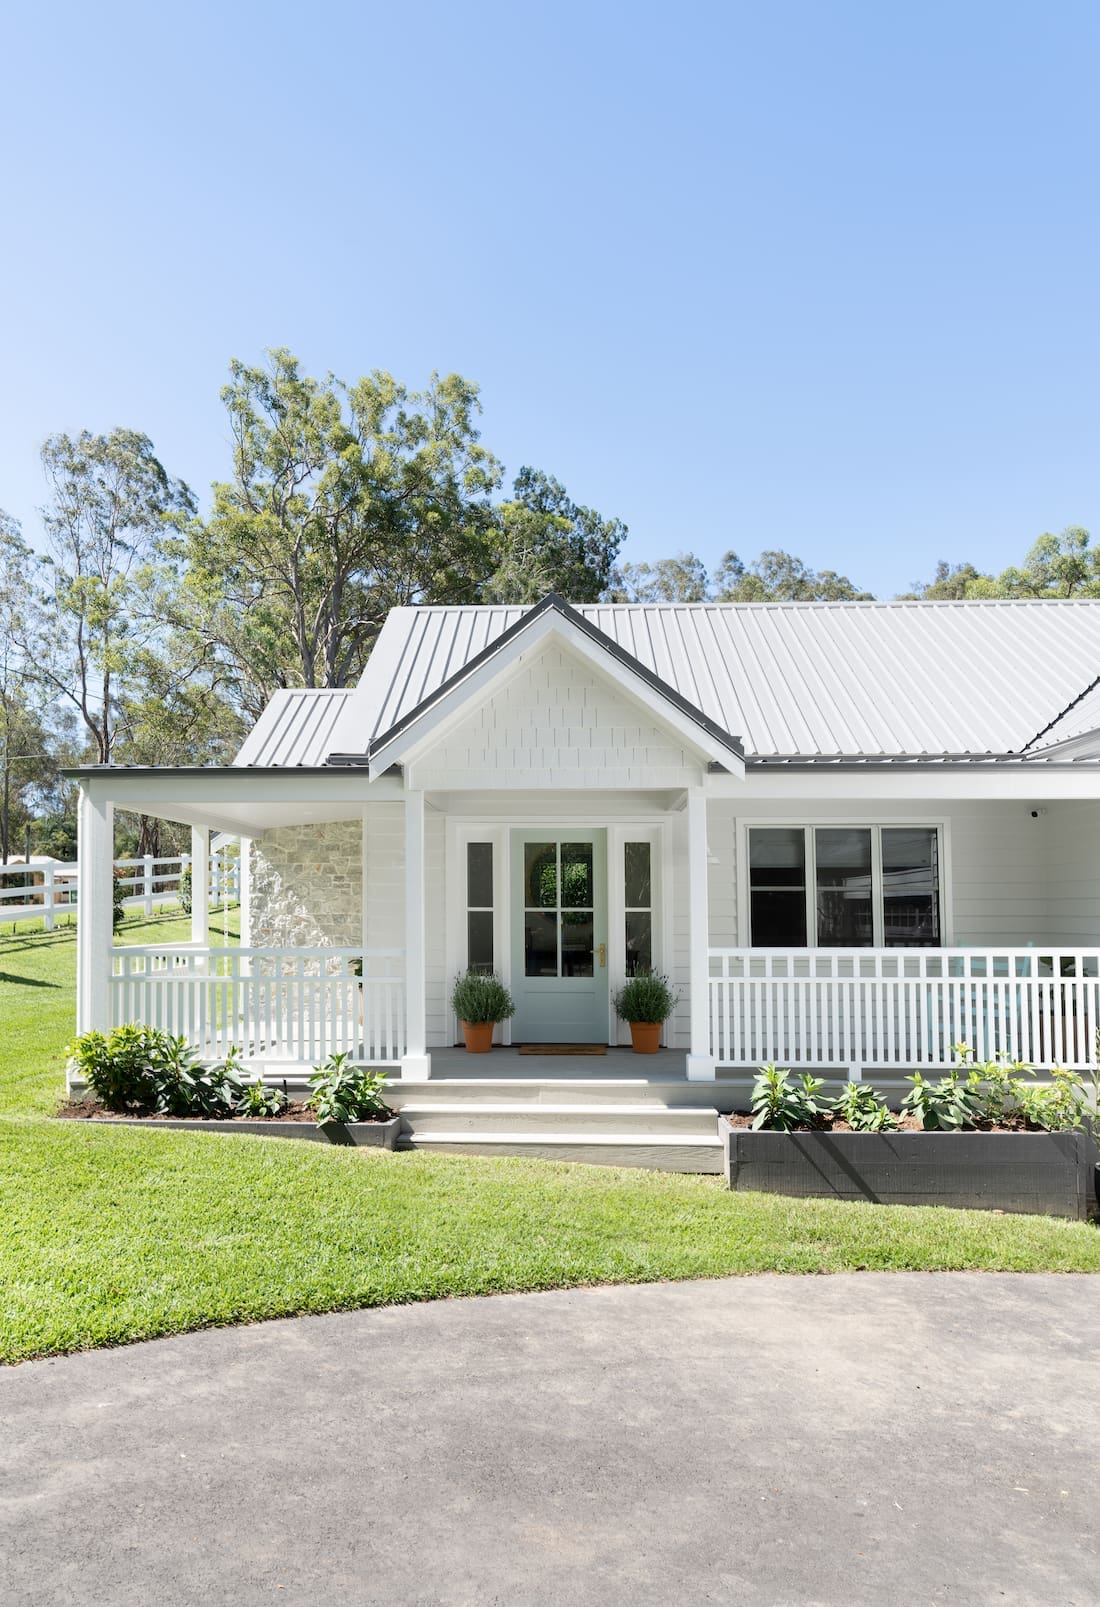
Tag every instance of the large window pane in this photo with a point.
(479, 876)
(639, 941)
(639, 880)
(480, 940)
(777, 887)
(540, 875)
(540, 944)
(910, 886)
(844, 918)
(576, 943)
(576, 875)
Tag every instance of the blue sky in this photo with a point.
(818, 276)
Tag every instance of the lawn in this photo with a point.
(109, 1235)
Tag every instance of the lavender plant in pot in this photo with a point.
(480, 1000)
(645, 1001)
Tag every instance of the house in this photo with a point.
(853, 834)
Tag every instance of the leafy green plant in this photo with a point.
(188, 1087)
(118, 893)
(863, 1109)
(184, 890)
(260, 1099)
(119, 1066)
(479, 997)
(944, 1106)
(780, 1103)
(645, 997)
(1061, 1104)
(344, 1092)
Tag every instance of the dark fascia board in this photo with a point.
(558, 605)
(89, 770)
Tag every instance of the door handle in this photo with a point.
(602, 951)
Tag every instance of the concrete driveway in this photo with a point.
(869, 1438)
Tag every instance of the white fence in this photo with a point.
(900, 1008)
(54, 887)
(290, 1004)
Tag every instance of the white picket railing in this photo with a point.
(900, 1008)
(54, 888)
(286, 1004)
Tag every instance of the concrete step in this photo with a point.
(666, 1093)
(423, 1118)
(646, 1150)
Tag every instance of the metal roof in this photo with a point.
(1082, 718)
(296, 728)
(793, 680)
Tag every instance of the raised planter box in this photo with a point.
(368, 1135)
(1044, 1174)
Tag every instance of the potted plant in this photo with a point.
(480, 1000)
(646, 1001)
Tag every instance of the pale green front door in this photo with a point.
(559, 936)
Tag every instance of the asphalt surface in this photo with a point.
(872, 1438)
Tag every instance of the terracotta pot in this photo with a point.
(645, 1036)
(478, 1036)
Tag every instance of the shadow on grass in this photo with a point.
(26, 981)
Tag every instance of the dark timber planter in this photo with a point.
(1046, 1174)
(368, 1135)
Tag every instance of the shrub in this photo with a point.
(343, 1092)
(781, 1104)
(118, 893)
(260, 1099)
(186, 1087)
(477, 997)
(1060, 1105)
(645, 997)
(119, 1066)
(943, 1106)
(185, 891)
(863, 1110)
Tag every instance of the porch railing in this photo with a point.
(288, 1004)
(899, 1008)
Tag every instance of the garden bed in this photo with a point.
(998, 1169)
(296, 1121)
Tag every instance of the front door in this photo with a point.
(559, 936)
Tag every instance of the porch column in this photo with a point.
(94, 923)
(200, 886)
(416, 1062)
(700, 1060)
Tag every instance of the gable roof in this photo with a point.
(796, 681)
(800, 680)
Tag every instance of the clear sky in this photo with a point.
(813, 275)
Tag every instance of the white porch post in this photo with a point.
(416, 1061)
(200, 886)
(94, 923)
(700, 1060)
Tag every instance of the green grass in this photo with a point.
(110, 1235)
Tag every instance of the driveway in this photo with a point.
(893, 1438)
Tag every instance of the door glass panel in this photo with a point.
(576, 943)
(479, 946)
(639, 941)
(910, 886)
(777, 887)
(540, 875)
(479, 876)
(638, 878)
(540, 943)
(844, 888)
(576, 875)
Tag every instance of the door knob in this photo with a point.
(603, 955)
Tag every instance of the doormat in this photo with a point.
(563, 1049)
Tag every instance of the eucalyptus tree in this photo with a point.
(546, 542)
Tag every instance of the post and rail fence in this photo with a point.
(45, 889)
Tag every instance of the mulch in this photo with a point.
(78, 1110)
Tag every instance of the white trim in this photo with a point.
(95, 923)
(200, 885)
(810, 825)
(485, 680)
(416, 1061)
(700, 1060)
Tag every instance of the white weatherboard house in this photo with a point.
(853, 835)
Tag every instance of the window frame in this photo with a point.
(810, 827)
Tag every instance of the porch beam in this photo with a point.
(700, 1060)
(95, 923)
(416, 1061)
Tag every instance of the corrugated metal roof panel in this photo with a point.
(296, 728)
(1081, 718)
(874, 679)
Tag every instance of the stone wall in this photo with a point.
(307, 886)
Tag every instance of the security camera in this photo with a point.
(1035, 813)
